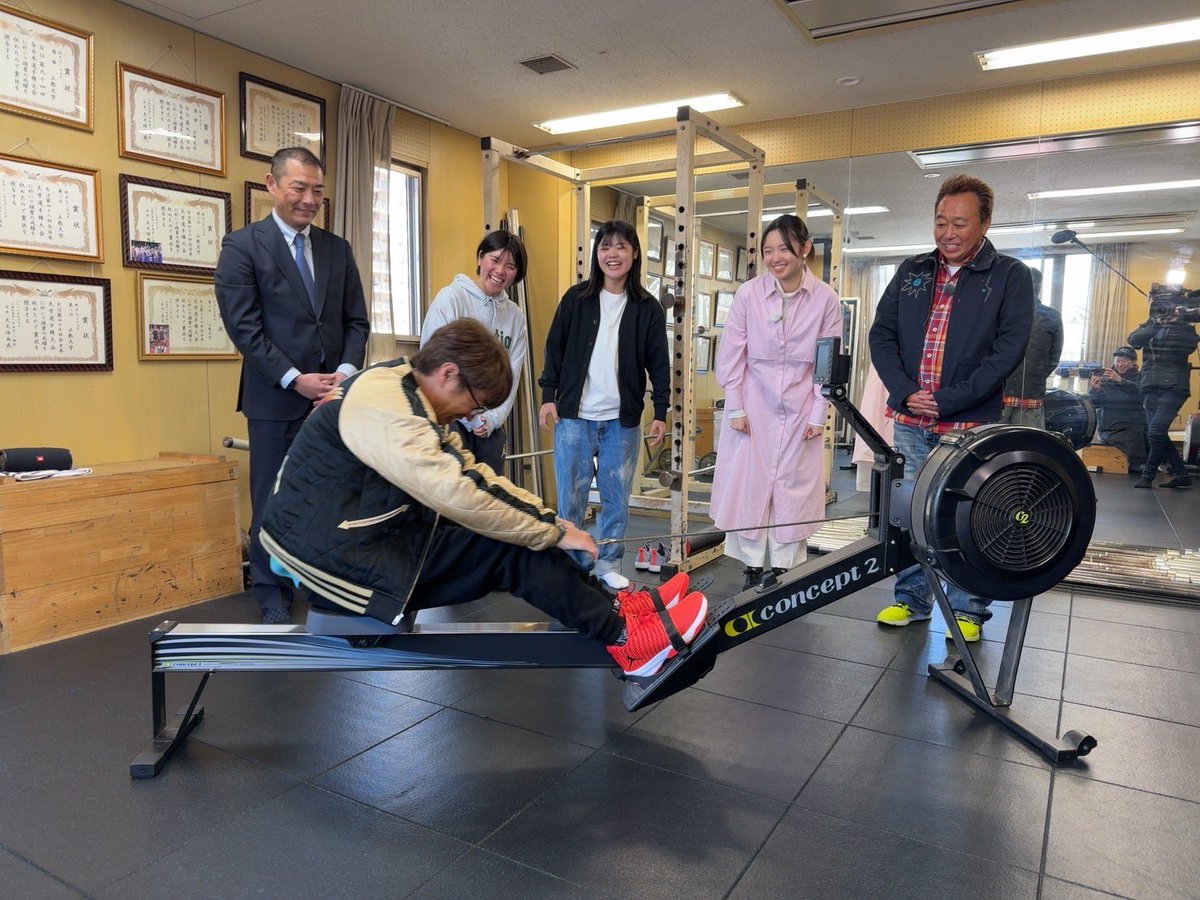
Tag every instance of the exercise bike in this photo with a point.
(1002, 511)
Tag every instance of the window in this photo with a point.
(396, 272)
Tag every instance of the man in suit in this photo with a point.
(292, 301)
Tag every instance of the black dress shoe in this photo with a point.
(753, 575)
(277, 615)
(1183, 482)
(776, 571)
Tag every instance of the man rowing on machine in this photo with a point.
(379, 510)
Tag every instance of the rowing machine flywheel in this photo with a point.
(1003, 511)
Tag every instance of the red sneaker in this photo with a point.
(640, 601)
(655, 563)
(642, 561)
(647, 645)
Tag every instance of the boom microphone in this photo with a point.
(1068, 236)
(1063, 237)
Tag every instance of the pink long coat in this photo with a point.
(765, 368)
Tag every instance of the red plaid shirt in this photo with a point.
(929, 376)
(1022, 402)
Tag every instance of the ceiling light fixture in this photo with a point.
(824, 212)
(898, 248)
(1117, 189)
(1176, 276)
(848, 81)
(630, 115)
(1120, 41)
(1092, 235)
(1185, 132)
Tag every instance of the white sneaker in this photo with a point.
(614, 580)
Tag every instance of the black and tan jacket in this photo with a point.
(366, 482)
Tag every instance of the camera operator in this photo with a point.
(1166, 340)
(1121, 420)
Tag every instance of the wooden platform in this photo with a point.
(1103, 458)
(130, 540)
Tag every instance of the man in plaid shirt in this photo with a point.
(950, 328)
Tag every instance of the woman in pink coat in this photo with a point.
(769, 459)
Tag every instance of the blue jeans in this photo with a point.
(608, 452)
(1162, 405)
(911, 585)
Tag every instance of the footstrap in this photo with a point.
(673, 634)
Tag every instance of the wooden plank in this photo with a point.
(191, 520)
(17, 498)
(81, 605)
(119, 508)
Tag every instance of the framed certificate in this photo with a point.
(703, 310)
(172, 227)
(46, 69)
(49, 209)
(724, 264)
(654, 239)
(274, 117)
(259, 204)
(741, 273)
(707, 253)
(55, 323)
(724, 301)
(703, 354)
(170, 122)
(178, 318)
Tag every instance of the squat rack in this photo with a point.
(690, 126)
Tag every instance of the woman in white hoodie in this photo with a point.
(500, 262)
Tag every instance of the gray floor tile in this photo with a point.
(1170, 616)
(812, 685)
(305, 843)
(1056, 601)
(1056, 889)
(1123, 841)
(755, 748)
(1136, 644)
(440, 686)
(842, 859)
(21, 879)
(455, 773)
(917, 707)
(619, 827)
(838, 637)
(1040, 673)
(580, 705)
(863, 604)
(1141, 690)
(1148, 754)
(483, 874)
(304, 732)
(934, 794)
(92, 830)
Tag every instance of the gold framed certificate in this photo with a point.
(49, 209)
(274, 117)
(170, 122)
(178, 318)
(259, 204)
(172, 227)
(46, 69)
(55, 323)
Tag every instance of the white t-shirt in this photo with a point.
(601, 400)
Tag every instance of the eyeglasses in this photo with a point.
(479, 407)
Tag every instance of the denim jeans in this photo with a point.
(608, 452)
(911, 585)
(1162, 405)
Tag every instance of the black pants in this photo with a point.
(463, 565)
(1162, 405)
(488, 449)
(1130, 441)
(269, 443)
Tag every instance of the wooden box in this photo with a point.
(130, 540)
(1103, 458)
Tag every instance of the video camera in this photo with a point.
(1172, 303)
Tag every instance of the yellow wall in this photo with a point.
(139, 408)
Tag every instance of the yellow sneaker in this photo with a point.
(971, 630)
(900, 614)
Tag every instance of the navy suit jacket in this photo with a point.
(269, 317)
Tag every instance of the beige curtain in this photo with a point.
(626, 209)
(364, 155)
(1104, 321)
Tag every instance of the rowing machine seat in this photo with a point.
(328, 622)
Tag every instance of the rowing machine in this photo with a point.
(1002, 511)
